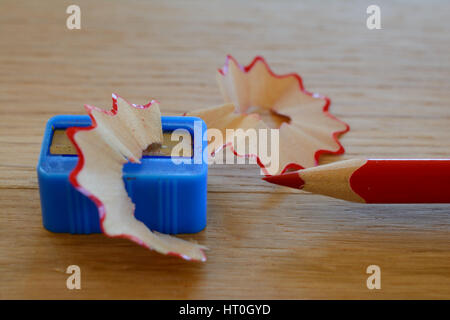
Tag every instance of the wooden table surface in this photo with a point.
(391, 85)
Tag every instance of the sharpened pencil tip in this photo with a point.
(291, 180)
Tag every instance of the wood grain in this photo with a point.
(391, 85)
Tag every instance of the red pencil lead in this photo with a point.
(291, 179)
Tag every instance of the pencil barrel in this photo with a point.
(403, 181)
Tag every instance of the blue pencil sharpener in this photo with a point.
(169, 191)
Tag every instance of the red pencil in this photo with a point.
(375, 181)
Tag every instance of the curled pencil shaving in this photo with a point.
(259, 99)
(116, 137)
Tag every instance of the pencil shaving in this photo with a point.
(257, 98)
(116, 137)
